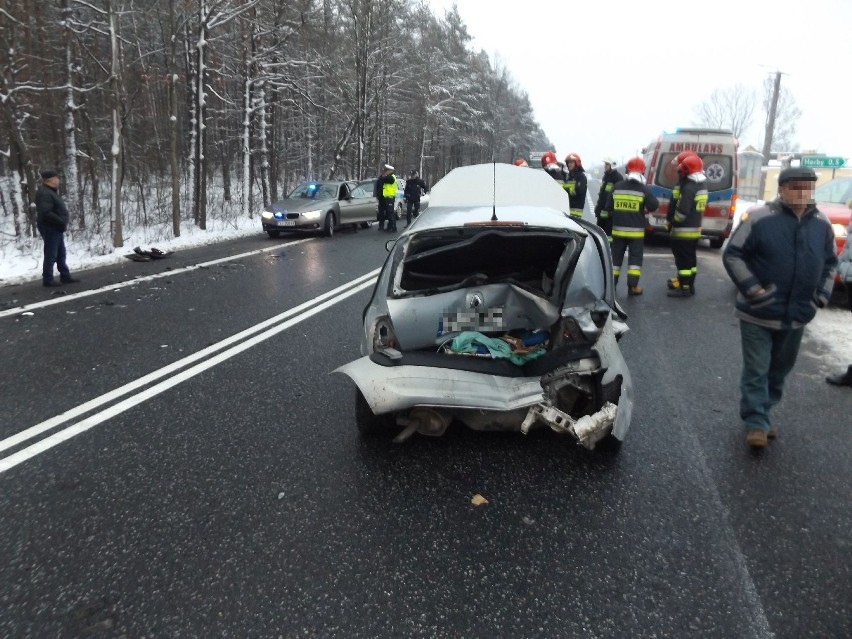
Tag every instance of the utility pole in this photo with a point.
(770, 130)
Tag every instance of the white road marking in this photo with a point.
(139, 280)
(288, 318)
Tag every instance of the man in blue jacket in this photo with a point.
(52, 221)
(782, 260)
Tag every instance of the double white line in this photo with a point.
(226, 349)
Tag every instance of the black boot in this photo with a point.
(841, 380)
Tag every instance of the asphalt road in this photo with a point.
(231, 496)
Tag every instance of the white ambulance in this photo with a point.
(718, 150)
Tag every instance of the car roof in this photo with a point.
(498, 184)
(467, 195)
(441, 217)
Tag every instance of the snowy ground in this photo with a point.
(832, 327)
(23, 264)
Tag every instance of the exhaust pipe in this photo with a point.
(426, 421)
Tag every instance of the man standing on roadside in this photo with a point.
(52, 221)
(414, 187)
(782, 260)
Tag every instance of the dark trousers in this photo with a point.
(54, 253)
(635, 249)
(390, 213)
(412, 206)
(768, 357)
(686, 259)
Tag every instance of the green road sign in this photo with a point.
(820, 162)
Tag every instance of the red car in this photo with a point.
(833, 198)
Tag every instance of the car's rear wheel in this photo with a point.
(365, 225)
(716, 242)
(399, 211)
(273, 234)
(369, 424)
(328, 227)
(609, 445)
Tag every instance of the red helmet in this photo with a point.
(521, 162)
(682, 156)
(636, 165)
(573, 157)
(690, 164)
(548, 158)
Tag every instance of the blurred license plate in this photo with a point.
(487, 319)
(286, 222)
(657, 220)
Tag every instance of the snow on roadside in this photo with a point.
(22, 263)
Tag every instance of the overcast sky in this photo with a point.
(604, 78)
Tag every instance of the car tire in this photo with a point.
(716, 242)
(273, 234)
(399, 211)
(328, 226)
(365, 225)
(369, 424)
(609, 445)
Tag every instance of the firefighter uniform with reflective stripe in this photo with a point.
(575, 185)
(627, 205)
(685, 222)
(608, 181)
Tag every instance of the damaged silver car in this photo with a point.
(495, 309)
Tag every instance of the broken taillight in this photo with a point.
(383, 335)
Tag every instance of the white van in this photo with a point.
(718, 150)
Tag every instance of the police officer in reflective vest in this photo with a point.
(610, 178)
(575, 184)
(681, 180)
(685, 220)
(386, 194)
(626, 207)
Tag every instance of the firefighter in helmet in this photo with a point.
(681, 179)
(627, 205)
(553, 167)
(685, 220)
(610, 178)
(575, 184)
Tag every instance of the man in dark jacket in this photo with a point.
(782, 260)
(51, 221)
(414, 187)
(610, 178)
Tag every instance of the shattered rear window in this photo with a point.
(447, 259)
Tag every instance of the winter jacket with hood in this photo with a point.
(793, 260)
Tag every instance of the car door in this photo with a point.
(349, 211)
(364, 203)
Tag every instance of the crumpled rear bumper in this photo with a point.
(397, 388)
